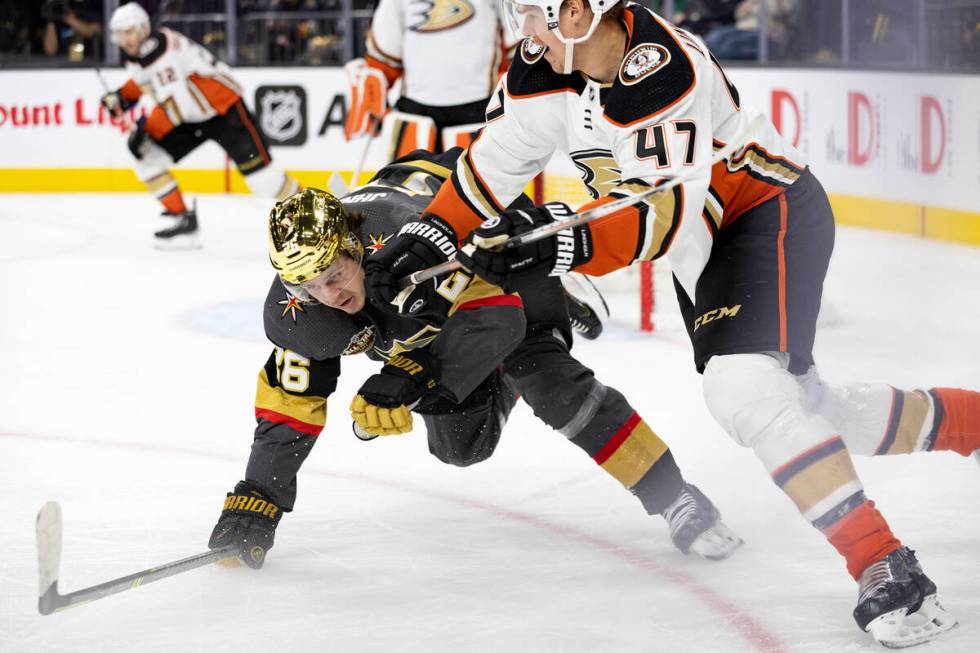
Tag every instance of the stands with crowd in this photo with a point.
(314, 32)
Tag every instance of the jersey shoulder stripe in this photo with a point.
(530, 75)
(656, 72)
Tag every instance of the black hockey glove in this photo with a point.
(507, 267)
(248, 519)
(420, 244)
(139, 140)
(384, 403)
(115, 104)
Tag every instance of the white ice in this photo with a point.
(126, 395)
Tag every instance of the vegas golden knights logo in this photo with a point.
(443, 14)
(599, 170)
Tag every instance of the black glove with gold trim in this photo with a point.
(383, 405)
(249, 519)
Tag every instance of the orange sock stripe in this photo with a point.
(174, 201)
(863, 537)
(957, 423)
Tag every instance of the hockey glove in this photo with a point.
(420, 244)
(384, 403)
(248, 519)
(115, 104)
(139, 141)
(506, 267)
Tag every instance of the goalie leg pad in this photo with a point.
(460, 135)
(405, 132)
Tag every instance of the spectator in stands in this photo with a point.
(741, 40)
(702, 16)
(72, 28)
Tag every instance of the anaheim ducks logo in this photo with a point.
(643, 60)
(599, 170)
(443, 14)
(531, 50)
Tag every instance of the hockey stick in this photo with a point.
(49, 560)
(373, 124)
(598, 212)
(118, 115)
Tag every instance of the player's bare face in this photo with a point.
(340, 286)
(130, 39)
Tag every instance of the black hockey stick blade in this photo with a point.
(49, 531)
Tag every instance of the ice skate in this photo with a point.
(897, 602)
(586, 307)
(180, 235)
(695, 525)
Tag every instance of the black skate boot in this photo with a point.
(182, 234)
(695, 525)
(586, 306)
(897, 602)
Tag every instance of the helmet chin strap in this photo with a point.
(569, 55)
(570, 43)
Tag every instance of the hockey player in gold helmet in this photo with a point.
(459, 353)
(313, 247)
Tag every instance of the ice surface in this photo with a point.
(127, 396)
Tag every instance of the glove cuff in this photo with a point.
(434, 231)
(573, 247)
(418, 366)
(247, 499)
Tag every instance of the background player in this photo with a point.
(460, 355)
(448, 55)
(195, 100)
(748, 240)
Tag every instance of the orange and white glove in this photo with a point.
(368, 99)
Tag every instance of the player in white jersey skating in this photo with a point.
(195, 100)
(449, 55)
(634, 101)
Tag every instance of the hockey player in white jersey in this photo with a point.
(619, 89)
(195, 100)
(448, 55)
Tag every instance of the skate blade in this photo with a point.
(717, 543)
(180, 243)
(897, 629)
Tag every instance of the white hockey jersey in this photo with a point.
(669, 108)
(447, 52)
(186, 82)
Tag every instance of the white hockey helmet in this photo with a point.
(516, 12)
(126, 16)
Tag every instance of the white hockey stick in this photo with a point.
(49, 563)
(544, 231)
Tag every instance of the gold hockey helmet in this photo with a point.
(306, 234)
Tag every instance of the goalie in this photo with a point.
(448, 55)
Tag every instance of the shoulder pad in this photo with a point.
(530, 74)
(152, 49)
(655, 74)
(311, 329)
